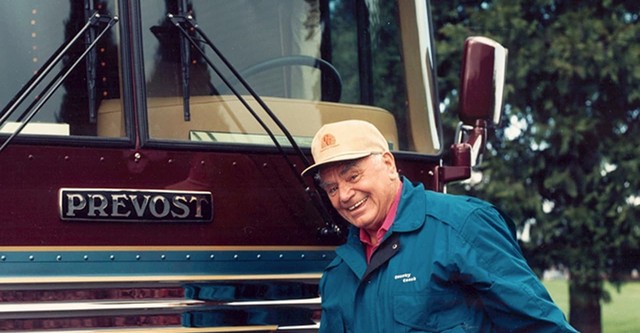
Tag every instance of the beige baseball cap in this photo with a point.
(345, 140)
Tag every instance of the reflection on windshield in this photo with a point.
(276, 30)
(317, 60)
(288, 49)
(37, 29)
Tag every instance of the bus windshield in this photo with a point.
(311, 61)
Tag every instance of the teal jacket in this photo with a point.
(448, 264)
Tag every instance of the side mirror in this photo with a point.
(484, 63)
(482, 81)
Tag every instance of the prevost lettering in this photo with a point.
(135, 205)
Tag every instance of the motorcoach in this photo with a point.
(150, 152)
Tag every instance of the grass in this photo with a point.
(618, 316)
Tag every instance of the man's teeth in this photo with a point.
(358, 204)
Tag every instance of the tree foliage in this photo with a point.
(566, 157)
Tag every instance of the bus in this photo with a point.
(151, 151)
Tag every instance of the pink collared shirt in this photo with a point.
(388, 221)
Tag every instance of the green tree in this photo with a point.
(566, 159)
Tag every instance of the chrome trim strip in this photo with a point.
(31, 280)
(306, 301)
(266, 328)
(299, 328)
(47, 308)
(64, 309)
(118, 248)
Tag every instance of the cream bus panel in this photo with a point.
(214, 118)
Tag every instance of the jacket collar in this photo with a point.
(410, 216)
(411, 209)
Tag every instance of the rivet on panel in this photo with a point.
(112, 257)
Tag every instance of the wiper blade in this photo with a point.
(51, 88)
(177, 20)
(89, 37)
(185, 63)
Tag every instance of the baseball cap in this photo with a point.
(345, 140)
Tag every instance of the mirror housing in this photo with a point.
(484, 63)
(482, 78)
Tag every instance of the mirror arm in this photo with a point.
(459, 169)
(466, 154)
(478, 141)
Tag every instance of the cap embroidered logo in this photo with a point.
(328, 140)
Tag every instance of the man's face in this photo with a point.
(363, 190)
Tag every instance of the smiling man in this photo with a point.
(416, 260)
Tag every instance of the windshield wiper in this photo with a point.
(89, 37)
(185, 63)
(330, 228)
(28, 114)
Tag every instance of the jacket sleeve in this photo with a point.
(489, 260)
(331, 318)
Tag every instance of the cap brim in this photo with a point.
(337, 158)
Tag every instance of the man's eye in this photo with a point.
(332, 190)
(354, 177)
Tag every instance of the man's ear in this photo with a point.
(390, 163)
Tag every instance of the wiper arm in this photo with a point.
(42, 73)
(185, 63)
(51, 88)
(176, 20)
(89, 37)
(330, 226)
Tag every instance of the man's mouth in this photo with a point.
(357, 204)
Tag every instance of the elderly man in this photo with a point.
(416, 260)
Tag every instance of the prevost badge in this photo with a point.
(130, 205)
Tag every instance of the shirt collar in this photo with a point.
(388, 220)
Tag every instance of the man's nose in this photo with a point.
(345, 191)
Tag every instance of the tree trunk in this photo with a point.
(584, 306)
